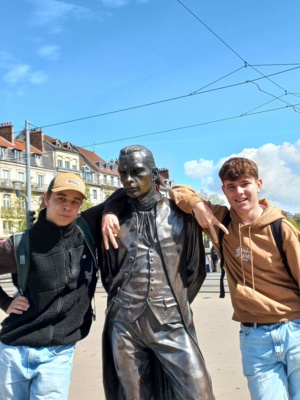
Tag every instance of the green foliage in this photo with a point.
(213, 197)
(296, 218)
(295, 221)
(86, 205)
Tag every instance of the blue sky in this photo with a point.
(161, 73)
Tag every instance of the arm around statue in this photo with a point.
(190, 202)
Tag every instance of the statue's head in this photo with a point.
(137, 170)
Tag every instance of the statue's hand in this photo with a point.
(18, 305)
(206, 219)
(110, 229)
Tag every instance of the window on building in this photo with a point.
(7, 227)
(112, 181)
(5, 175)
(59, 163)
(3, 152)
(6, 201)
(40, 181)
(74, 164)
(94, 194)
(38, 159)
(21, 176)
(67, 164)
(87, 175)
(17, 154)
(105, 179)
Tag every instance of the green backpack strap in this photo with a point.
(22, 255)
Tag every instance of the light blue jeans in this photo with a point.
(35, 373)
(271, 360)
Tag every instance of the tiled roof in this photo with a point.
(93, 158)
(18, 145)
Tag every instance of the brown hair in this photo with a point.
(236, 167)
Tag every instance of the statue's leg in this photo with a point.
(182, 362)
(132, 361)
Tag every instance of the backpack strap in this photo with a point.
(85, 230)
(22, 250)
(277, 234)
(226, 221)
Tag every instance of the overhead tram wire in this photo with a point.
(217, 80)
(262, 105)
(248, 114)
(192, 126)
(274, 65)
(198, 92)
(230, 48)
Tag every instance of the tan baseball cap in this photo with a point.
(68, 181)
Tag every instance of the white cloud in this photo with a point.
(279, 168)
(52, 11)
(202, 169)
(37, 78)
(6, 59)
(121, 3)
(115, 3)
(23, 73)
(50, 52)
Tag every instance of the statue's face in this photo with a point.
(137, 179)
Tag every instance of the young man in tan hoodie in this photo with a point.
(265, 296)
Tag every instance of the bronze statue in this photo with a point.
(150, 349)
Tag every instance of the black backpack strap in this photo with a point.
(277, 234)
(225, 222)
(22, 255)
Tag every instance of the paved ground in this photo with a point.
(217, 335)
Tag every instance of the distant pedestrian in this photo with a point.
(207, 263)
(214, 259)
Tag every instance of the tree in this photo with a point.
(296, 217)
(213, 197)
(295, 220)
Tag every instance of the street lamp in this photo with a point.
(18, 185)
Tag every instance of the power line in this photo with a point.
(264, 104)
(229, 47)
(192, 126)
(217, 80)
(198, 92)
(273, 65)
(214, 33)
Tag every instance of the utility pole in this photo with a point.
(28, 179)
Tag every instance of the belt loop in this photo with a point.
(255, 325)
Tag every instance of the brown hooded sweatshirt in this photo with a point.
(260, 287)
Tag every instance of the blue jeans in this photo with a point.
(271, 360)
(35, 373)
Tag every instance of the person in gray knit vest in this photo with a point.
(156, 269)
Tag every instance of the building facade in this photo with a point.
(48, 157)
